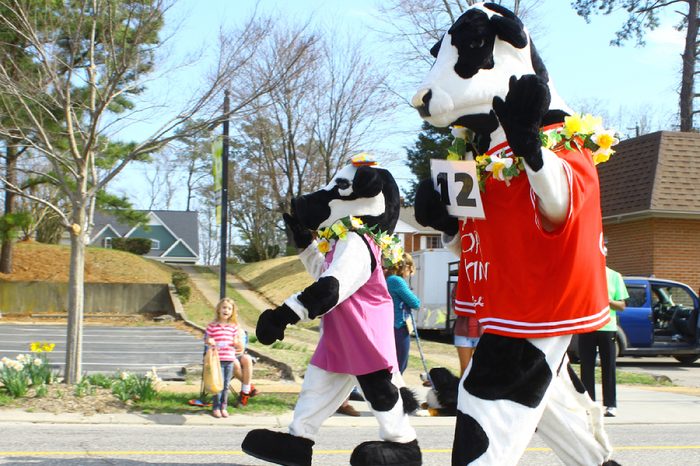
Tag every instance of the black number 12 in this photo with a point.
(463, 199)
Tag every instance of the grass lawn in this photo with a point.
(178, 403)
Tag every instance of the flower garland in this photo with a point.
(390, 245)
(580, 131)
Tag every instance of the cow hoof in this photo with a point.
(379, 453)
(278, 447)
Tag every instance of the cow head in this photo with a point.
(358, 190)
(474, 61)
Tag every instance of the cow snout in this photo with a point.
(311, 209)
(432, 102)
(421, 102)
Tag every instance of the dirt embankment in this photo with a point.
(50, 263)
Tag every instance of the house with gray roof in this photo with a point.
(413, 235)
(650, 199)
(174, 234)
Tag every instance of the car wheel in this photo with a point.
(687, 359)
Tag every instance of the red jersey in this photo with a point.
(522, 281)
(224, 335)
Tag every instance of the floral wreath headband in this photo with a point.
(582, 132)
(390, 245)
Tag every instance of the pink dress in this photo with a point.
(357, 336)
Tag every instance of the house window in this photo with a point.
(433, 242)
(107, 242)
(155, 244)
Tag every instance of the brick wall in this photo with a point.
(629, 247)
(677, 250)
(665, 248)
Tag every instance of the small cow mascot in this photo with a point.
(356, 311)
(533, 270)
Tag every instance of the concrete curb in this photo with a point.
(637, 406)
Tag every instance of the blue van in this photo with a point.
(660, 319)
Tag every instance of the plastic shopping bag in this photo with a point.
(211, 372)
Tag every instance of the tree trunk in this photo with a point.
(11, 176)
(76, 301)
(688, 73)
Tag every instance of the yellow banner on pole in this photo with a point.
(217, 149)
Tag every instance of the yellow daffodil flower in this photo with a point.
(482, 159)
(601, 156)
(324, 233)
(396, 254)
(35, 347)
(385, 241)
(572, 125)
(604, 139)
(324, 246)
(497, 166)
(590, 124)
(459, 132)
(339, 229)
(356, 222)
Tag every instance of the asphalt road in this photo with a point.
(130, 445)
(137, 349)
(108, 349)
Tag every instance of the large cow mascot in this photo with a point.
(355, 214)
(533, 270)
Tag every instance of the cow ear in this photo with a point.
(367, 182)
(510, 29)
(500, 9)
(435, 49)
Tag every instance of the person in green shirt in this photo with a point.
(603, 341)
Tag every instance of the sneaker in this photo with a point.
(216, 413)
(243, 399)
(348, 410)
(610, 411)
(253, 391)
(224, 413)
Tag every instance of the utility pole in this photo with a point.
(224, 199)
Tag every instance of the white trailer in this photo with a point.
(433, 284)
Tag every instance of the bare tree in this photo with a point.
(643, 15)
(413, 27)
(92, 55)
(350, 104)
(308, 128)
(155, 179)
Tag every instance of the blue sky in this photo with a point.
(584, 67)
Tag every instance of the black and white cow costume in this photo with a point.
(357, 340)
(538, 252)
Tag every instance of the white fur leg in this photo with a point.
(321, 394)
(394, 425)
(572, 425)
(509, 425)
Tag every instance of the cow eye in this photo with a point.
(477, 43)
(342, 183)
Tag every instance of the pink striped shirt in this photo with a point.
(224, 335)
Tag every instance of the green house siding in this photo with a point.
(107, 233)
(158, 233)
(180, 251)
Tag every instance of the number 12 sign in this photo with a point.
(456, 182)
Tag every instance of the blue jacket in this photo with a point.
(402, 296)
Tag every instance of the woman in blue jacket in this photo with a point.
(404, 301)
